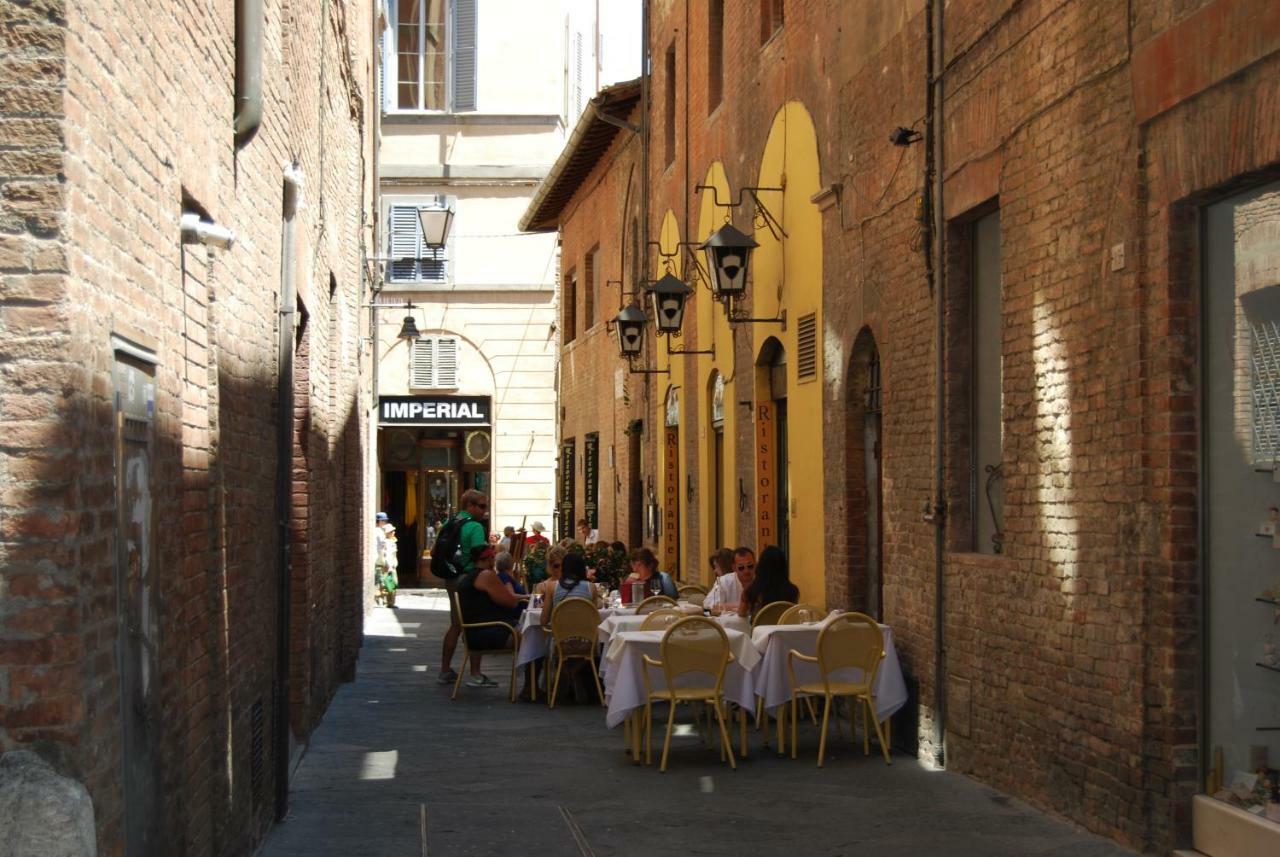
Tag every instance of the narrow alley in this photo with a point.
(395, 760)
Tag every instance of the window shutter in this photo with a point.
(807, 347)
(578, 83)
(446, 362)
(423, 363)
(406, 243)
(1266, 392)
(464, 55)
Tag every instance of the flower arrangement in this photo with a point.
(610, 565)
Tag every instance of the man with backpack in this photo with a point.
(451, 561)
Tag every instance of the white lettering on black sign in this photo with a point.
(435, 410)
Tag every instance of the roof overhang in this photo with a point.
(594, 133)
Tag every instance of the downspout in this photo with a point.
(248, 98)
(284, 485)
(937, 285)
(644, 144)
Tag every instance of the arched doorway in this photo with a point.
(864, 478)
(772, 496)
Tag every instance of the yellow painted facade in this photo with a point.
(715, 332)
(667, 254)
(787, 276)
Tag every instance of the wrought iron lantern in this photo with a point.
(669, 295)
(630, 324)
(728, 256)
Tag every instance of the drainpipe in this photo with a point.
(937, 284)
(284, 482)
(248, 99)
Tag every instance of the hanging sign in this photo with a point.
(671, 501)
(591, 477)
(766, 498)
(566, 522)
(433, 410)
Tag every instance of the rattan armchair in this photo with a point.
(574, 624)
(851, 641)
(692, 645)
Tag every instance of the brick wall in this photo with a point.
(1072, 658)
(101, 156)
(599, 215)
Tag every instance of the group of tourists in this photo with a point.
(490, 587)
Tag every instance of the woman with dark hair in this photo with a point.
(772, 583)
(619, 547)
(644, 568)
(573, 580)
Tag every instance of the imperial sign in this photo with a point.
(434, 410)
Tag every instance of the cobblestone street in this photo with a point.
(490, 778)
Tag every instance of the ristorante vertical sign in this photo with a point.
(564, 528)
(591, 480)
(671, 501)
(766, 498)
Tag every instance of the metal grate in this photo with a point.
(257, 751)
(1266, 393)
(873, 383)
(807, 346)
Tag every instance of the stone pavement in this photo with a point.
(394, 757)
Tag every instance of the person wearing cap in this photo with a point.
(483, 597)
(537, 537)
(385, 560)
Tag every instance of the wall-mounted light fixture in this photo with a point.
(435, 221)
(630, 325)
(901, 136)
(409, 329)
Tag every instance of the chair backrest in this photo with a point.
(575, 619)
(770, 613)
(800, 614)
(654, 602)
(694, 597)
(686, 588)
(851, 640)
(695, 644)
(661, 620)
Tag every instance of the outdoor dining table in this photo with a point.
(631, 622)
(624, 676)
(535, 640)
(772, 681)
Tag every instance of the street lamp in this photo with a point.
(630, 324)
(435, 223)
(728, 256)
(669, 295)
(409, 330)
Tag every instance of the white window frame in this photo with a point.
(396, 244)
(391, 65)
(433, 377)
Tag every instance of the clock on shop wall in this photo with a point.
(477, 447)
(401, 446)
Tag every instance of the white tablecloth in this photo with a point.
(624, 676)
(772, 682)
(535, 641)
(631, 622)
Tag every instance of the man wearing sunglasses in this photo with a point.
(475, 511)
(726, 594)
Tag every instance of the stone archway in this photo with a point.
(864, 479)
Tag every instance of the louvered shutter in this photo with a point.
(578, 84)
(406, 243)
(464, 55)
(412, 262)
(446, 362)
(424, 363)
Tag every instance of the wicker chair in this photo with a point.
(850, 641)
(692, 645)
(653, 602)
(466, 646)
(573, 637)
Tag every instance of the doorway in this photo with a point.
(773, 494)
(864, 480)
(1240, 372)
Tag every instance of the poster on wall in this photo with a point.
(565, 524)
